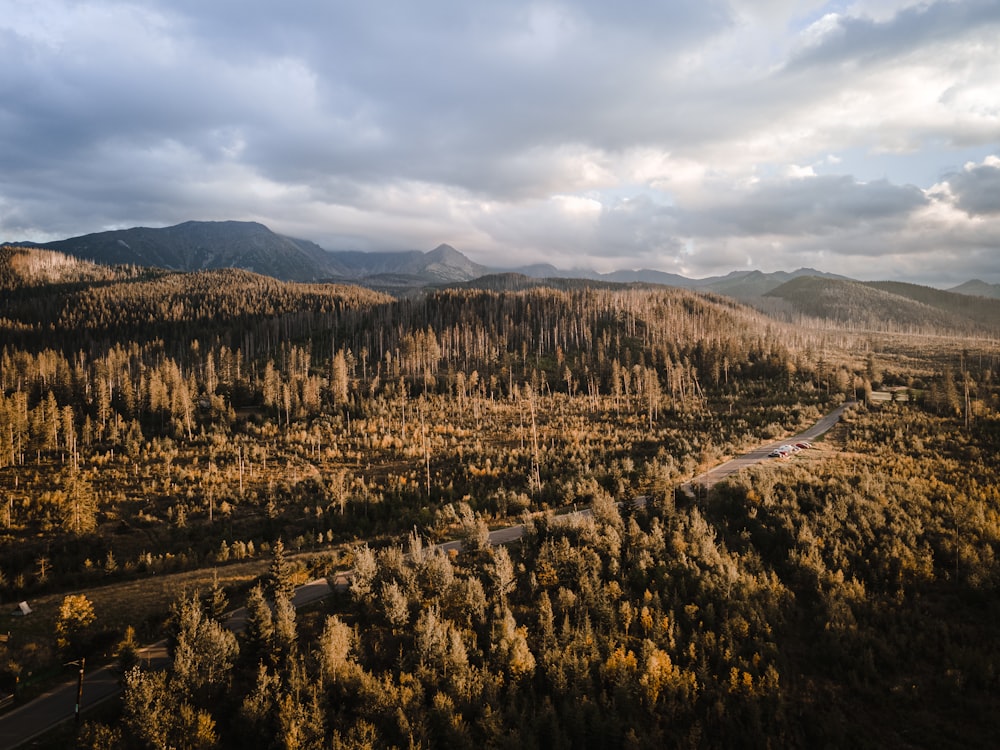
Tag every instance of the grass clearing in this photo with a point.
(136, 602)
(143, 603)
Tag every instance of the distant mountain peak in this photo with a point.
(978, 288)
(249, 245)
(448, 255)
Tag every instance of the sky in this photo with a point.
(691, 136)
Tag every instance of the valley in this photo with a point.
(251, 434)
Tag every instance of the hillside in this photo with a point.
(985, 312)
(750, 285)
(889, 306)
(978, 288)
(27, 267)
(444, 263)
(119, 301)
(644, 275)
(515, 282)
(741, 285)
(200, 245)
(408, 272)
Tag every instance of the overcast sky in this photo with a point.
(690, 136)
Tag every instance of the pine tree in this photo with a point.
(217, 602)
(260, 623)
(285, 634)
(279, 577)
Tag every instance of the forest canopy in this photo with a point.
(158, 424)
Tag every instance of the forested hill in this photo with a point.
(494, 332)
(978, 288)
(977, 309)
(584, 337)
(27, 267)
(889, 306)
(199, 245)
(513, 282)
(51, 299)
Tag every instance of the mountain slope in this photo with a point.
(196, 245)
(750, 285)
(742, 285)
(978, 288)
(169, 305)
(200, 245)
(23, 268)
(408, 268)
(980, 310)
(519, 282)
(358, 264)
(647, 276)
(889, 306)
(445, 263)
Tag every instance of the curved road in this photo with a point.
(713, 476)
(33, 719)
(58, 705)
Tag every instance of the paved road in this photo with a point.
(727, 469)
(23, 724)
(34, 719)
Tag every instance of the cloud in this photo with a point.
(856, 40)
(684, 135)
(976, 189)
(809, 205)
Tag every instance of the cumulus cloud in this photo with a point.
(976, 189)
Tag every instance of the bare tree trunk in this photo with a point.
(427, 453)
(535, 479)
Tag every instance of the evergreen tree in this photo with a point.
(259, 630)
(285, 634)
(217, 603)
(279, 577)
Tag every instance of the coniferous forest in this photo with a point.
(174, 446)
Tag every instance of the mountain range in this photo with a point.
(202, 245)
(199, 245)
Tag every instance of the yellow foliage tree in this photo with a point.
(76, 614)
